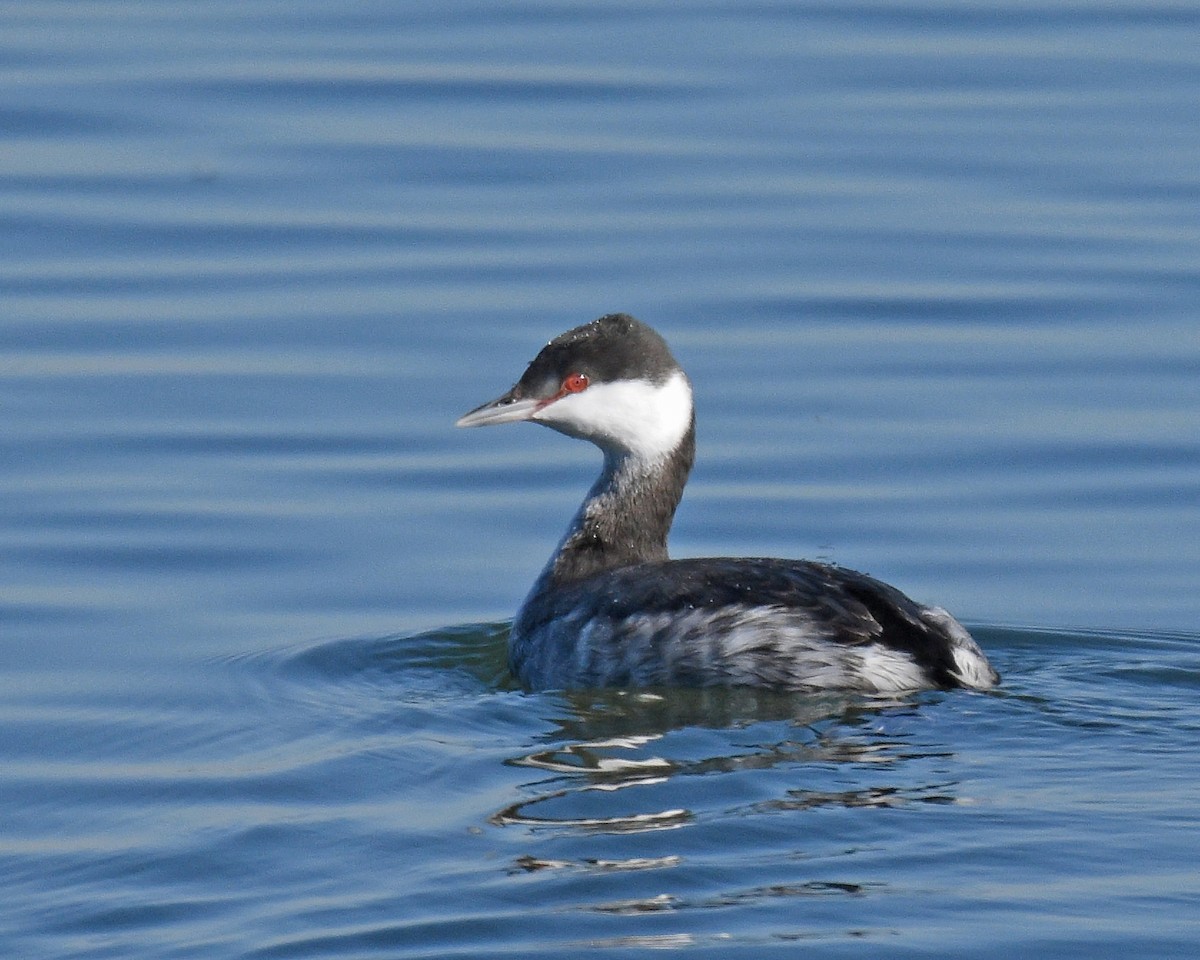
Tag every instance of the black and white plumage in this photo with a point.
(610, 609)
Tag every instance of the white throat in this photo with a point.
(634, 418)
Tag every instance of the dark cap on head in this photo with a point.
(615, 347)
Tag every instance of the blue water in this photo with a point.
(934, 271)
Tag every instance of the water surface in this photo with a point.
(933, 272)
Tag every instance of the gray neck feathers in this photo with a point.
(626, 516)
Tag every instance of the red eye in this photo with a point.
(575, 383)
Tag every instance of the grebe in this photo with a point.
(610, 610)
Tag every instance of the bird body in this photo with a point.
(611, 609)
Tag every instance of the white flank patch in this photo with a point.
(973, 669)
(889, 671)
(634, 417)
(970, 664)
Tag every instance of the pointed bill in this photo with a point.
(505, 409)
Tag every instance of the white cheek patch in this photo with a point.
(637, 417)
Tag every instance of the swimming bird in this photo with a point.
(610, 609)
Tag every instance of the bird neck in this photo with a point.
(627, 514)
